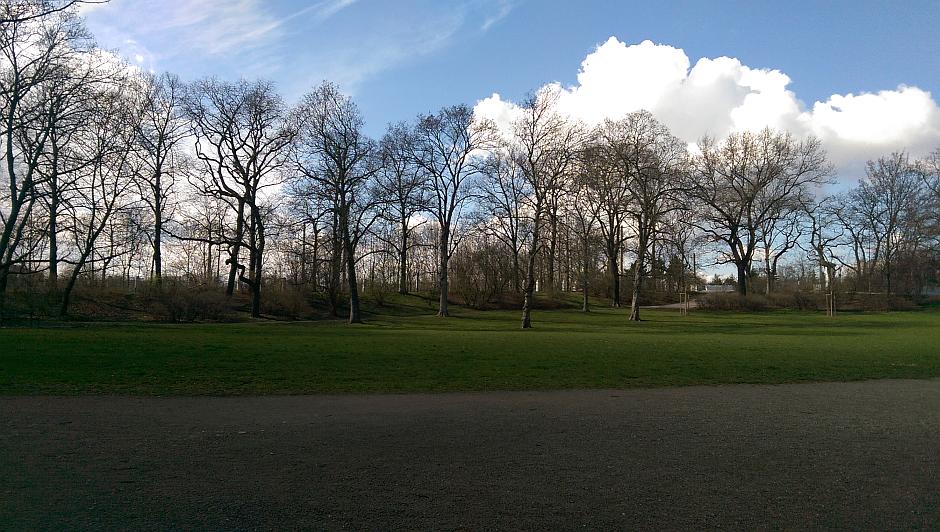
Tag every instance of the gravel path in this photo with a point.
(860, 455)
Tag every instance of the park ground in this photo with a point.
(712, 420)
(410, 350)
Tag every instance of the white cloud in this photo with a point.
(206, 26)
(381, 47)
(250, 38)
(328, 8)
(503, 7)
(500, 111)
(866, 125)
(719, 95)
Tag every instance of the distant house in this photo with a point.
(714, 288)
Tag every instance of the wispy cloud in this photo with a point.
(503, 8)
(206, 26)
(383, 48)
(296, 45)
(320, 11)
(327, 9)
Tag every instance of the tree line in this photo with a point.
(113, 173)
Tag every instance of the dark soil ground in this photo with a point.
(862, 455)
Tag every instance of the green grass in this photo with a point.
(471, 351)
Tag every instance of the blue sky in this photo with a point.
(399, 58)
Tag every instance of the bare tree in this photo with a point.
(684, 241)
(652, 165)
(69, 98)
(109, 144)
(447, 145)
(19, 11)
(309, 210)
(887, 204)
(585, 210)
(161, 131)
(406, 191)
(502, 194)
(612, 195)
(930, 173)
(779, 233)
(35, 53)
(743, 180)
(201, 228)
(547, 147)
(242, 134)
(825, 235)
(339, 162)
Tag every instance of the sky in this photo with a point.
(862, 76)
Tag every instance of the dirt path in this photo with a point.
(693, 304)
(849, 455)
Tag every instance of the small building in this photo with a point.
(714, 288)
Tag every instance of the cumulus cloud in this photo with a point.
(717, 96)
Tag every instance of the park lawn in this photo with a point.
(470, 351)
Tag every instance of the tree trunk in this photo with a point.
(585, 255)
(768, 271)
(259, 269)
(336, 264)
(157, 247)
(53, 241)
(403, 261)
(638, 268)
(567, 283)
(234, 250)
(66, 297)
(315, 264)
(822, 274)
(445, 247)
(69, 286)
(742, 277)
(157, 226)
(355, 316)
(529, 288)
(552, 250)
(255, 250)
(614, 276)
(6, 237)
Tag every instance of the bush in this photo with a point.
(731, 301)
(379, 291)
(285, 302)
(875, 302)
(178, 302)
(475, 279)
(797, 300)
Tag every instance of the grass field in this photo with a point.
(471, 351)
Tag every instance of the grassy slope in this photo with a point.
(472, 351)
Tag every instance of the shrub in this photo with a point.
(875, 302)
(796, 300)
(732, 301)
(475, 279)
(379, 291)
(285, 302)
(179, 302)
